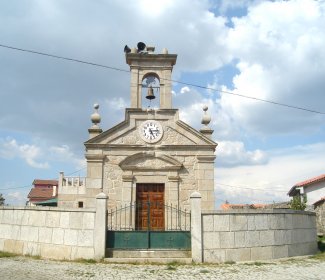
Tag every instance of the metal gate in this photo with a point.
(128, 229)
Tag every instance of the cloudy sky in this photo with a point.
(273, 51)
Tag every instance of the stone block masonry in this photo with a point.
(55, 233)
(251, 235)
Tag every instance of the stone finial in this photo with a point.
(206, 119)
(95, 119)
(164, 51)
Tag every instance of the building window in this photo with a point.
(80, 204)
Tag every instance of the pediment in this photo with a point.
(174, 136)
(129, 135)
(174, 133)
(150, 161)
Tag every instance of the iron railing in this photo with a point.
(130, 217)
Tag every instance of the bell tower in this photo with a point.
(152, 155)
(145, 64)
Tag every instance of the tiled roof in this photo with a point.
(45, 182)
(310, 181)
(319, 201)
(37, 193)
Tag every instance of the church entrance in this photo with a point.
(150, 213)
(149, 222)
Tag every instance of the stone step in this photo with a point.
(149, 260)
(148, 254)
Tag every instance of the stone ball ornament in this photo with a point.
(206, 119)
(95, 117)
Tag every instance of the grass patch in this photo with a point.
(86, 261)
(174, 263)
(37, 257)
(7, 255)
(230, 262)
(319, 256)
(257, 263)
(170, 267)
(204, 271)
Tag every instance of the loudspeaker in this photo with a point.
(141, 46)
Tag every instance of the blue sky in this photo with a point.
(273, 50)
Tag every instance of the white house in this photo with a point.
(313, 188)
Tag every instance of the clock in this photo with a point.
(151, 131)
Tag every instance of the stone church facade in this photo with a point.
(152, 152)
(137, 171)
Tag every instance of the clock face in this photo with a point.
(151, 131)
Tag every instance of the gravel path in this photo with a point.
(19, 268)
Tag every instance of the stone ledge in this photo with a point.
(45, 208)
(257, 211)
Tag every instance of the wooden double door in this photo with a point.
(150, 207)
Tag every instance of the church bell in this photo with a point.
(150, 94)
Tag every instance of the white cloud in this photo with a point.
(9, 149)
(234, 154)
(17, 198)
(222, 122)
(278, 49)
(158, 9)
(280, 64)
(273, 179)
(39, 156)
(116, 103)
(64, 154)
(14, 197)
(185, 90)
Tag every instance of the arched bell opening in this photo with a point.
(150, 91)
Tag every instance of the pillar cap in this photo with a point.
(195, 195)
(101, 196)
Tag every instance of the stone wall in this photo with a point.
(48, 232)
(55, 233)
(320, 218)
(250, 235)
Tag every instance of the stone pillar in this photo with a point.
(196, 227)
(135, 87)
(128, 197)
(61, 177)
(205, 180)
(166, 88)
(100, 226)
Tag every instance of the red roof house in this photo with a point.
(313, 188)
(44, 192)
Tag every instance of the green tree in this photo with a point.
(2, 200)
(298, 202)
